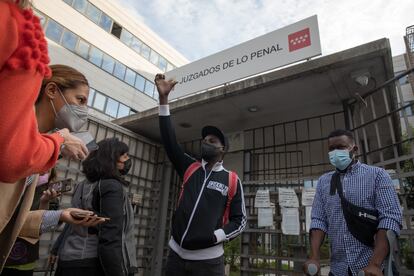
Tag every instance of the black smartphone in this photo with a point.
(62, 186)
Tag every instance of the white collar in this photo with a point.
(216, 168)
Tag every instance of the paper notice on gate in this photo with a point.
(262, 199)
(288, 198)
(265, 217)
(290, 221)
(308, 218)
(307, 196)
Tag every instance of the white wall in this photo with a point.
(399, 63)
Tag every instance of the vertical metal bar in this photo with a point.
(285, 146)
(253, 167)
(159, 238)
(309, 148)
(274, 152)
(374, 117)
(401, 103)
(321, 137)
(347, 116)
(364, 135)
(264, 153)
(353, 127)
(391, 127)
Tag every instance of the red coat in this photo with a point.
(23, 65)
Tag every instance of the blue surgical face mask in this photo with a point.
(340, 159)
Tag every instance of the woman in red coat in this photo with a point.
(23, 65)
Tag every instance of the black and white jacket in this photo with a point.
(197, 230)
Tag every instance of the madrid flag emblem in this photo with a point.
(299, 40)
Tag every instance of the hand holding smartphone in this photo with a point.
(62, 186)
(81, 215)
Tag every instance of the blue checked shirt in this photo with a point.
(365, 186)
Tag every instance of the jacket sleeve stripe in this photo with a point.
(244, 219)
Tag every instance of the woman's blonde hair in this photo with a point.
(65, 77)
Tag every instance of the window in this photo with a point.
(132, 112)
(149, 88)
(83, 49)
(69, 40)
(126, 37)
(69, 2)
(99, 102)
(136, 44)
(95, 56)
(54, 31)
(93, 13)
(162, 64)
(409, 110)
(170, 67)
(112, 107)
(108, 105)
(154, 57)
(145, 51)
(105, 22)
(140, 83)
(130, 76)
(123, 111)
(156, 97)
(80, 5)
(108, 63)
(119, 71)
(116, 30)
(91, 95)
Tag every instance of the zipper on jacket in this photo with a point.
(195, 206)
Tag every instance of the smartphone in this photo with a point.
(62, 186)
(87, 138)
(81, 215)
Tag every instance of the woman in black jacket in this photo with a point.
(109, 249)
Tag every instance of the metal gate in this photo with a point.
(294, 154)
(145, 179)
(288, 154)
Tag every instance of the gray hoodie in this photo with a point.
(78, 242)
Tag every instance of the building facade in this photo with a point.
(405, 93)
(118, 54)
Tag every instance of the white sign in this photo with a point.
(307, 196)
(265, 217)
(288, 198)
(287, 45)
(308, 219)
(262, 199)
(290, 221)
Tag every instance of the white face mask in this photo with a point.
(70, 116)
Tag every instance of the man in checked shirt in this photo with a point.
(364, 186)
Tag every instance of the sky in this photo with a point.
(199, 28)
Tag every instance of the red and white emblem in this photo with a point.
(299, 40)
